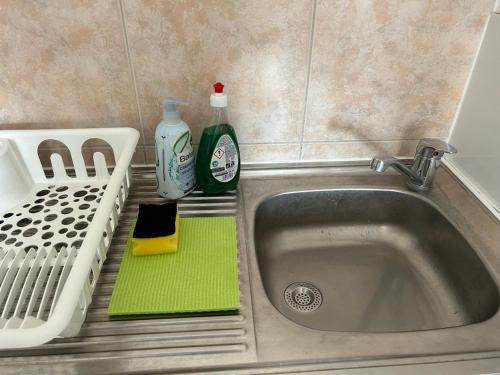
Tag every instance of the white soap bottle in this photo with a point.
(174, 153)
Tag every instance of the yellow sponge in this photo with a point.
(156, 245)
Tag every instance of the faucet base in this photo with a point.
(418, 187)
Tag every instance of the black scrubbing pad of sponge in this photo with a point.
(155, 220)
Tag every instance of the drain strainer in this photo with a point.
(303, 297)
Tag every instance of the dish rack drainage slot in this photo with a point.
(56, 228)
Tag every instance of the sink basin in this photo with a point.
(368, 260)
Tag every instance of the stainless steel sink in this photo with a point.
(346, 263)
(368, 260)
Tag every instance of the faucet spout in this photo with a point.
(381, 163)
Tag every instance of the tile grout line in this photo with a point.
(132, 74)
(308, 79)
(321, 142)
(369, 140)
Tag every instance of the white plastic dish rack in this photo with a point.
(55, 231)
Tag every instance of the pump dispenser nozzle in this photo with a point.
(171, 115)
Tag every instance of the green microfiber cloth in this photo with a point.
(201, 276)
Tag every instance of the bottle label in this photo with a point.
(224, 162)
(174, 164)
(182, 170)
(185, 170)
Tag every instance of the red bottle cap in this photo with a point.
(219, 88)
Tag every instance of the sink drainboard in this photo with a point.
(303, 297)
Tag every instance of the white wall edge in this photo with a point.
(496, 8)
(465, 179)
(472, 187)
(471, 71)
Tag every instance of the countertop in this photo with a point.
(204, 343)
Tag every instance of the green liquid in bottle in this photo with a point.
(218, 159)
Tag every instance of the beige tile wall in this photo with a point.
(307, 79)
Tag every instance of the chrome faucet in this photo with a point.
(421, 173)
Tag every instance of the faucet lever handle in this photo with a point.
(436, 147)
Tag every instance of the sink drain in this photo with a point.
(303, 297)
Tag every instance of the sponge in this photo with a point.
(156, 229)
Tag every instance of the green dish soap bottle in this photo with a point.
(218, 158)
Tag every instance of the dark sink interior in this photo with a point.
(381, 260)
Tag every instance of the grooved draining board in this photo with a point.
(201, 276)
